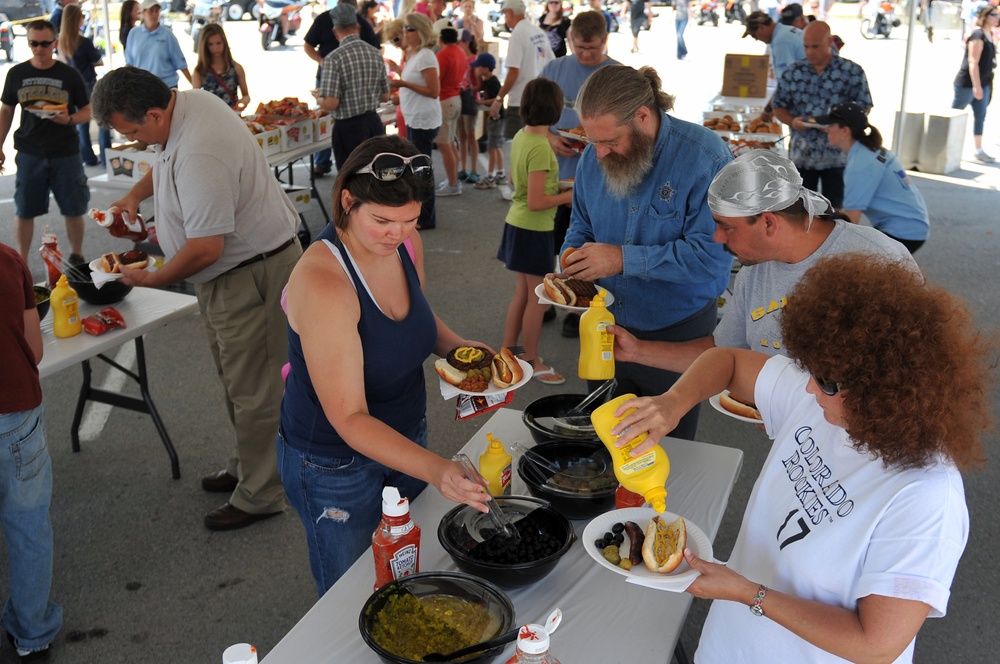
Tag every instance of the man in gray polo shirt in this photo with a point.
(778, 230)
(225, 225)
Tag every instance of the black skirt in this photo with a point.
(527, 252)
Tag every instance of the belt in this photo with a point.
(264, 256)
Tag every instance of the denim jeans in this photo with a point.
(832, 180)
(323, 158)
(25, 495)
(339, 500)
(423, 140)
(680, 22)
(963, 97)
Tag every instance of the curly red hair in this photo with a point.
(915, 373)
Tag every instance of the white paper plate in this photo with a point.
(540, 293)
(716, 402)
(677, 580)
(42, 113)
(573, 137)
(565, 184)
(493, 389)
(814, 125)
(96, 266)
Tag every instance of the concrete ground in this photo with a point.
(142, 580)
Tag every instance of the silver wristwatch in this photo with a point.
(756, 608)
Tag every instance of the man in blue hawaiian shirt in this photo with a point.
(804, 91)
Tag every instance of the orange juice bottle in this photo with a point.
(597, 346)
(66, 321)
(645, 474)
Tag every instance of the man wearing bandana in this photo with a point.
(640, 222)
(777, 229)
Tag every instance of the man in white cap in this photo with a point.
(777, 229)
(352, 86)
(528, 50)
(154, 47)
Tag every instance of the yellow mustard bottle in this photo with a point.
(646, 474)
(495, 465)
(66, 320)
(597, 345)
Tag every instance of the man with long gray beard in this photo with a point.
(640, 221)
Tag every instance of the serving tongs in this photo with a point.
(540, 462)
(577, 417)
(500, 521)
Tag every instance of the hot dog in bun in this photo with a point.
(569, 291)
(738, 406)
(663, 548)
(506, 369)
(112, 263)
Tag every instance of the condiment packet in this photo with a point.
(468, 406)
(104, 320)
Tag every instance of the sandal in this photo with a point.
(549, 377)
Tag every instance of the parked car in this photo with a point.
(18, 10)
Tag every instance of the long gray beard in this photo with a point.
(624, 174)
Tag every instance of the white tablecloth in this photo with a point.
(605, 618)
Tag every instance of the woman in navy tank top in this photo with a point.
(359, 330)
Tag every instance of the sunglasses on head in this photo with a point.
(825, 385)
(387, 166)
(44, 44)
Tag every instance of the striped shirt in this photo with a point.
(355, 74)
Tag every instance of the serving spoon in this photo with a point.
(550, 626)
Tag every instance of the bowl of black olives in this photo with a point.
(585, 484)
(543, 537)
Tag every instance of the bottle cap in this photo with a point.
(494, 444)
(598, 300)
(657, 498)
(62, 281)
(533, 639)
(393, 504)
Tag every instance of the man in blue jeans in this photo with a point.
(30, 619)
(682, 10)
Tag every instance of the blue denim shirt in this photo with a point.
(672, 266)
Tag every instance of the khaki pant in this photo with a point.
(248, 335)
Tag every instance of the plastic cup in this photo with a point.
(240, 653)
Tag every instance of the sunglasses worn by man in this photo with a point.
(388, 166)
(43, 44)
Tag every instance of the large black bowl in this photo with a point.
(111, 292)
(42, 301)
(574, 498)
(541, 416)
(464, 532)
(434, 585)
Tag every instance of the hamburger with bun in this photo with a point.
(562, 259)
(112, 263)
(471, 368)
(738, 406)
(663, 548)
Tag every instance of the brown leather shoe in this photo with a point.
(219, 482)
(228, 517)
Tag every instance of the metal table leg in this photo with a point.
(143, 405)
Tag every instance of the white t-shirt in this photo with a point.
(753, 319)
(213, 179)
(828, 523)
(528, 50)
(419, 112)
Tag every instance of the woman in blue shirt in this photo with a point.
(875, 182)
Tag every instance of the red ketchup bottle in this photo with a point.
(119, 225)
(52, 257)
(625, 498)
(396, 541)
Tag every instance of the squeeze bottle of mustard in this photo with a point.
(495, 466)
(646, 474)
(66, 320)
(597, 346)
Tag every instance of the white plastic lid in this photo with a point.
(392, 504)
(533, 639)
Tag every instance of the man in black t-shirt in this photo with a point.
(47, 143)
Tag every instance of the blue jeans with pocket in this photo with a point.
(25, 494)
(339, 500)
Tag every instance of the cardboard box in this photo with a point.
(300, 197)
(128, 164)
(269, 141)
(296, 135)
(745, 75)
(321, 128)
